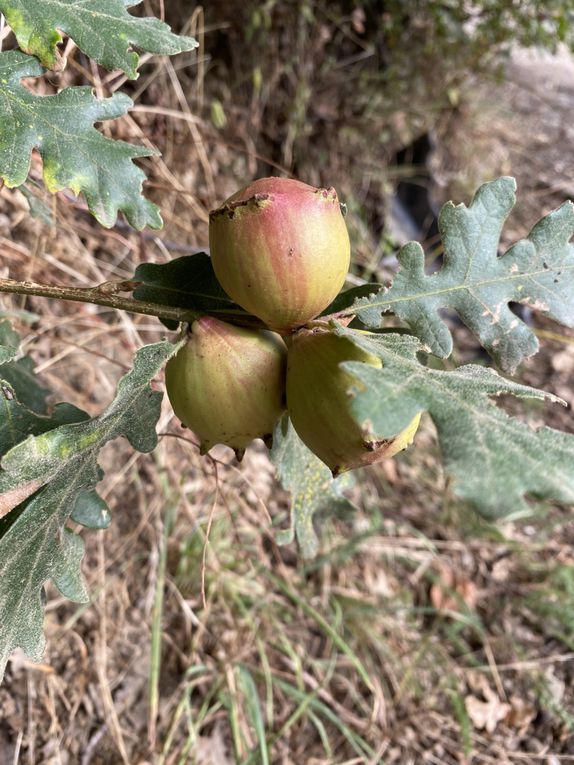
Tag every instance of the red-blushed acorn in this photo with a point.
(280, 248)
(227, 383)
(318, 402)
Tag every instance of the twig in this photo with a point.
(105, 294)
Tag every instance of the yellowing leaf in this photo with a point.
(103, 29)
(74, 153)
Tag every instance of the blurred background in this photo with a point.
(420, 634)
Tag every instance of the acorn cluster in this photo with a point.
(281, 250)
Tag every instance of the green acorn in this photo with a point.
(227, 383)
(318, 402)
(280, 248)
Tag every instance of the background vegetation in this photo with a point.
(420, 634)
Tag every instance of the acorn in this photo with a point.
(227, 383)
(318, 402)
(281, 250)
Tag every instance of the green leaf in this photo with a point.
(23, 407)
(38, 209)
(27, 317)
(35, 546)
(91, 511)
(17, 422)
(348, 298)
(313, 489)
(74, 153)
(478, 284)
(9, 342)
(495, 460)
(19, 375)
(187, 282)
(103, 29)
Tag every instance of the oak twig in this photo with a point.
(105, 294)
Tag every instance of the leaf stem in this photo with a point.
(105, 294)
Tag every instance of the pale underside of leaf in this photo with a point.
(494, 460)
(103, 29)
(313, 489)
(35, 545)
(478, 284)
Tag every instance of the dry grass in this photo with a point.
(419, 635)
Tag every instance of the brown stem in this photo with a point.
(104, 294)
